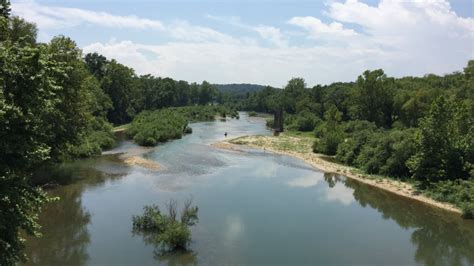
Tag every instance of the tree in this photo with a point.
(119, 83)
(292, 93)
(207, 93)
(437, 156)
(27, 100)
(22, 31)
(96, 64)
(373, 98)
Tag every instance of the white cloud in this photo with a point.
(318, 29)
(401, 37)
(272, 34)
(417, 36)
(237, 62)
(47, 17)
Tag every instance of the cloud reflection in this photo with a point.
(307, 181)
(340, 193)
(234, 228)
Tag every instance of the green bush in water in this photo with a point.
(165, 230)
(252, 113)
(148, 128)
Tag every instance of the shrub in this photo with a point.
(329, 143)
(306, 121)
(165, 230)
(149, 128)
(468, 210)
(252, 113)
(97, 137)
(458, 192)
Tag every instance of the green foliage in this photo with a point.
(438, 155)
(252, 113)
(373, 96)
(96, 138)
(329, 143)
(304, 121)
(458, 192)
(150, 127)
(20, 203)
(165, 230)
(385, 153)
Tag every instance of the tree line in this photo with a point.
(419, 129)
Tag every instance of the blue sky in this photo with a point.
(265, 42)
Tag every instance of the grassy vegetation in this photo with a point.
(166, 230)
(458, 192)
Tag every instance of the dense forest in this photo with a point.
(57, 104)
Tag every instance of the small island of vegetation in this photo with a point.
(167, 231)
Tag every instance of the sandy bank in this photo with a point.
(142, 162)
(227, 146)
(301, 147)
(133, 157)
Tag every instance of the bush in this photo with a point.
(306, 121)
(96, 138)
(458, 192)
(468, 210)
(329, 143)
(165, 230)
(149, 128)
(252, 113)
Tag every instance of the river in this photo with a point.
(254, 208)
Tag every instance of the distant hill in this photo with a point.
(239, 88)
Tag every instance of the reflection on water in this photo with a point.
(177, 258)
(64, 222)
(439, 237)
(254, 208)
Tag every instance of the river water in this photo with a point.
(254, 208)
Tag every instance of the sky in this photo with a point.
(262, 41)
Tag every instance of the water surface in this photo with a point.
(254, 208)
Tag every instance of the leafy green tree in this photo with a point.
(22, 31)
(293, 91)
(373, 98)
(437, 156)
(207, 93)
(119, 83)
(96, 64)
(27, 99)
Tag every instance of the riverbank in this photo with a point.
(301, 147)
